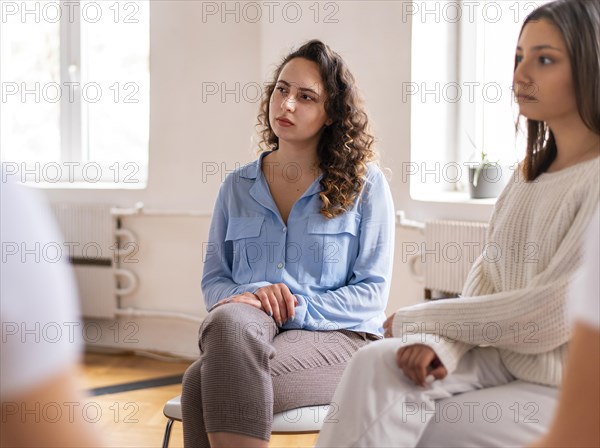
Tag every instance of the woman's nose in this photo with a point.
(289, 103)
(521, 75)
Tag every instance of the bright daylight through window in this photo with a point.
(461, 92)
(75, 92)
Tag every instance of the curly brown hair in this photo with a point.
(345, 147)
(579, 23)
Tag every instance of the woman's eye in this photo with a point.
(307, 98)
(518, 59)
(545, 61)
(281, 89)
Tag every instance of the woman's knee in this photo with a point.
(191, 384)
(377, 355)
(234, 327)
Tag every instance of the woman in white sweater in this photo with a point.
(510, 322)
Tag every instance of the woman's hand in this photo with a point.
(277, 301)
(247, 298)
(387, 326)
(419, 361)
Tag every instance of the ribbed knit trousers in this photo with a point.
(479, 404)
(248, 370)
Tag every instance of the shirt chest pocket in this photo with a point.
(334, 244)
(244, 236)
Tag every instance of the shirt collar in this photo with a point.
(253, 169)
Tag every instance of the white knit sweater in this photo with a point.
(514, 297)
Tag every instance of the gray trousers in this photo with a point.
(248, 370)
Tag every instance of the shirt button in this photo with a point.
(280, 266)
(284, 229)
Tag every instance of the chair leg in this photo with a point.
(167, 436)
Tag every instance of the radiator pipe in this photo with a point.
(135, 312)
(403, 221)
(139, 209)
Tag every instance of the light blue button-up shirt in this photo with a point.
(339, 269)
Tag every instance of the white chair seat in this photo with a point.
(172, 408)
(306, 419)
(299, 420)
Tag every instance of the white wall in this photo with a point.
(189, 135)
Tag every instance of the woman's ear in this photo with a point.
(328, 122)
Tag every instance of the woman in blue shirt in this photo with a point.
(299, 260)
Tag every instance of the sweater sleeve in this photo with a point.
(449, 351)
(529, 320)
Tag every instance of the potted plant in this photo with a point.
(486, 179)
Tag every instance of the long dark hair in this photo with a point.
(345, 145)
(579, 23)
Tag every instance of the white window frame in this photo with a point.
(447, 140)
(74, 146)
(71, 144)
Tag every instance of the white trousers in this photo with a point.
(376, 405)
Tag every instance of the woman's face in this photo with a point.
(297, 110)
(542, 81)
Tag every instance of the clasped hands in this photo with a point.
(417, 361)
(275, 300)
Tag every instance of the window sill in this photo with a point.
(88, 185)
(451, 197)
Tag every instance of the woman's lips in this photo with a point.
(526, 98)
(522, 93)
(285, 123)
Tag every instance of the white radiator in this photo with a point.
(449, 250)
(90, 234)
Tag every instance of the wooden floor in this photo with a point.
(134, 418)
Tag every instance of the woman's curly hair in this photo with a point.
(345, 145)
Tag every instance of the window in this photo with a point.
(461, 90)
(75, 92)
